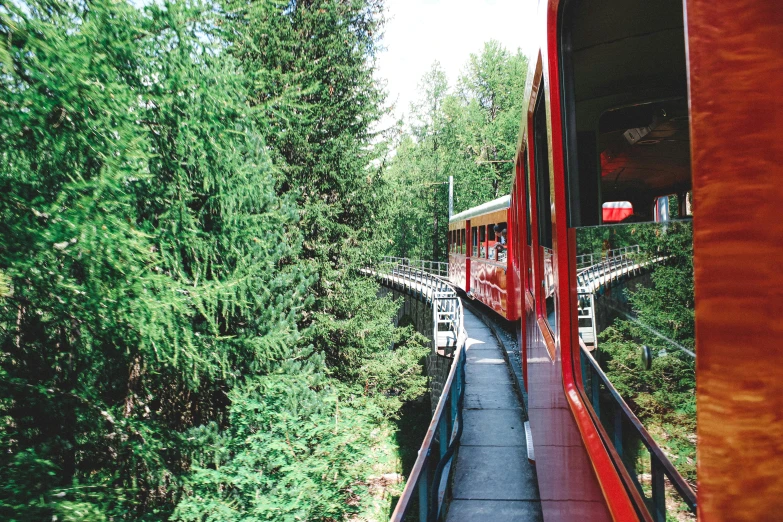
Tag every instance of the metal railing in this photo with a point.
(583, 261)
(429, 279)
(425, 489)
(633, 443)
(614, 264)
(436, 268)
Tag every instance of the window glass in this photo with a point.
(616, 211)
(501, 242)
(627, 152)
(475, 249)
(542, 174)
(544, 209)
(528, 203)
(491, 241)
(483, 242)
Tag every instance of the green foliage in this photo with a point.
(663, 397)
(186, 200)
(319, 102)
(147, 251)
(293, 451)
(470, 133)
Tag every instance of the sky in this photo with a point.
(419, 32)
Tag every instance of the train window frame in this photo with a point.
(528, 248)
(502, 225)
(483, 241)
(474, 242)
(547, 305)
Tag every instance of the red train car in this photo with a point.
(480, 255)
(649, 139)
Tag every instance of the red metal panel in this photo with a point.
(735, 56)
(489, 285)
(618, 502)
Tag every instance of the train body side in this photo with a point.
(481, 267)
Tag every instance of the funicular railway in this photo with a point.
(646, 179)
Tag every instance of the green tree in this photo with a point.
(319, 102)
(663, 397)
(470, 134)
(148, 255)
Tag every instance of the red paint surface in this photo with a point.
(457, 269)
(488, 284)
(617, 499)
(735, 54)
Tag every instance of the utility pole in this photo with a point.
(451, 196)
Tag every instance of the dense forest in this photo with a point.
(468, 131)
(187, 194)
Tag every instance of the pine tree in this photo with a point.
(312, 64)
(147, 254)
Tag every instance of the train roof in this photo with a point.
(485, 208)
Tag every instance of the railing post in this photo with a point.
(618, 431)
(595, 391)
(658, 491)
(423, 487)
(443, 435)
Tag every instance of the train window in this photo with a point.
(501, 243)
(616, 211)
(528, 202)
(544, 209)
(541, 156)
(491, 241)
(474, 249)
(463, 244)
(483, 242)
(528, 225)
(627, 166)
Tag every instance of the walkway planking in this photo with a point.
(493, 480)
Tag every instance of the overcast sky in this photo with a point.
(420, 32)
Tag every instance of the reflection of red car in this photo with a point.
(616, 211)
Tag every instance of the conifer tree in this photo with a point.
(147, 254)
(469, 132)
(311, 64)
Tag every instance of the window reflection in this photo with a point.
(635, 311)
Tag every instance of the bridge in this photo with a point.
(478, 426)
(476, 458)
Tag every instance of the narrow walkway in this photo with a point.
(493, 480)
